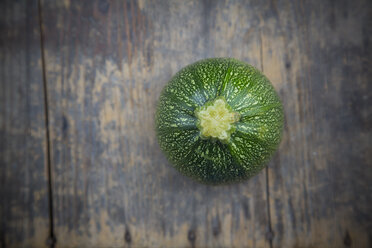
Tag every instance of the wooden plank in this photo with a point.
(107, 62)
(319, 53)
(24, 218)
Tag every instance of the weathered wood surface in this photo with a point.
(24, 218)
(318, 53)
(106, 63)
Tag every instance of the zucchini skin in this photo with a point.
(251, 145)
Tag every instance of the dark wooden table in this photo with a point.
(79, 162)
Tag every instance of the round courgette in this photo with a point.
(219, 120)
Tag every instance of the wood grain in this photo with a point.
(320, 182)
(107, 62)
(24, 219)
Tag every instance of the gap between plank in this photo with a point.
(269, 233)
(51, 241)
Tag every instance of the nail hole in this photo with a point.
(216, 231)
(270, 235)
(347, 239)
(287, 64)
(191, 236)
(51, 241)
(127, 237)
(216, 226)
(64, 124)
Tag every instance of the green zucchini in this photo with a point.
(219, 120)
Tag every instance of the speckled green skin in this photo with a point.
(257, 134)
